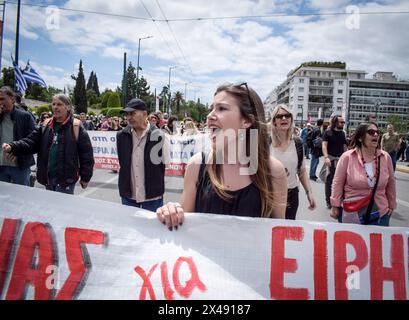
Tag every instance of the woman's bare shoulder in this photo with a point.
(276, 167)
(193, 166)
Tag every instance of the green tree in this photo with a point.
(143, 88)
(130, 83)
(95, 85)
(44, 108)
(36, 92)
(178, 99)
(8, 77)
(105, 98)
(114, 112)
(92, 83)
(92, 97)
(52, 91)
(80, 93)
(145, 94)
(114, 101)
(399, 123)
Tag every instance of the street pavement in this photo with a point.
(104, 186)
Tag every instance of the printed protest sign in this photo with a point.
(57, 246)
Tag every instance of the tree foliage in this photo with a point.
(92, 97)
(400, 124)
(92, 83)
(131, 84)
(178, 98)
(105, 98)
(80, 93)
(8, 77)
(34, 91)
(114, 101)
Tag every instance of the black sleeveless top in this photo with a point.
(246, 202)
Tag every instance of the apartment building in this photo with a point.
(318, 90)
(380, 96)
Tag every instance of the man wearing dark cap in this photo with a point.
(141, 157)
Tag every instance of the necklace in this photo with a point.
(376, 171)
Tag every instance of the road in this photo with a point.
(103, 186)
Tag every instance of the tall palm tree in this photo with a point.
(178, 98)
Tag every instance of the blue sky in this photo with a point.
(260, 51)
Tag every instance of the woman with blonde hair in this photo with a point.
(154, 120)
(190, 128)
(289, 150)
(221, 185)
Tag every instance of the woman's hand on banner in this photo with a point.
(171, 215)
(334, 212)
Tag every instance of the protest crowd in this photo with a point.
(358, 169)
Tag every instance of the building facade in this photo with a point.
(320, 90)
(315, 90)
(381, 96)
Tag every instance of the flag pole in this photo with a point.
(2, 32)
(17, 35)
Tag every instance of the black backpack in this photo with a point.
(309, 139)
(300, 152)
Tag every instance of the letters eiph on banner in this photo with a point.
(57, 246)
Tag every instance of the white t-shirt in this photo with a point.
(369, 167)
(289, 159)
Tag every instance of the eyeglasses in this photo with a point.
(372, 132)
(252, 105)
(283, 116)
(342, 122)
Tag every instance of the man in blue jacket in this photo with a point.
(15, 124)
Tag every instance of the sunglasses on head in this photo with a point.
(282, 116)
(252, 105)
(372, 132)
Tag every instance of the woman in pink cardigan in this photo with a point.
(356, 175)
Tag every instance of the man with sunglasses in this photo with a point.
(334, 144)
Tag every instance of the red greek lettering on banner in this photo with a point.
(79, 262)
(36, 236)
(379, 273)
(7, 239)
(281, 265)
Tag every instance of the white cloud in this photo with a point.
(260, 51)
(325, 4)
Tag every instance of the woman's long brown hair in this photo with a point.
(251, 107)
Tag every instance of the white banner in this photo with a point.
(57, 246)
(105, 152)
(182, 148)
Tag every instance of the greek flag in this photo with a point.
(30, 75)
(19, 82)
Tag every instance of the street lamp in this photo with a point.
(186, 83)
(137, 67)
(170, 69)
